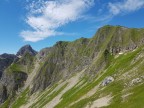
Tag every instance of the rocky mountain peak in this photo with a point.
(26, 49)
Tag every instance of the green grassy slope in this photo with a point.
(123, 68)
(114, 51)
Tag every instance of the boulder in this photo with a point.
(107, 80)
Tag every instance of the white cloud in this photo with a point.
(36, 35)
(125, 7)
(45, 17)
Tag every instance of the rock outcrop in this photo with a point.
(107, 80)
(3, 93)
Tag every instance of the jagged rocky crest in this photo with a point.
(64, 59)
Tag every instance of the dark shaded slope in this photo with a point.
(5, 61)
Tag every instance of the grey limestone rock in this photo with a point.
(107, 80)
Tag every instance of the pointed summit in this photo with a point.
(26, 49)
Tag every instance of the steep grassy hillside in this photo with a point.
(104, 71)
(79, 92)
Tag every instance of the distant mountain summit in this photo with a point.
(26, 49)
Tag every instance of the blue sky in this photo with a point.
(41, 23)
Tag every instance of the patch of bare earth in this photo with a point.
(101, 102)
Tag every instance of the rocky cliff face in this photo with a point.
(66, 59)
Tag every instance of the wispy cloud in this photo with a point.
(45, 17)
(119, 7)
(125, 6)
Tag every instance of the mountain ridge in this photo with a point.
(94, 57)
